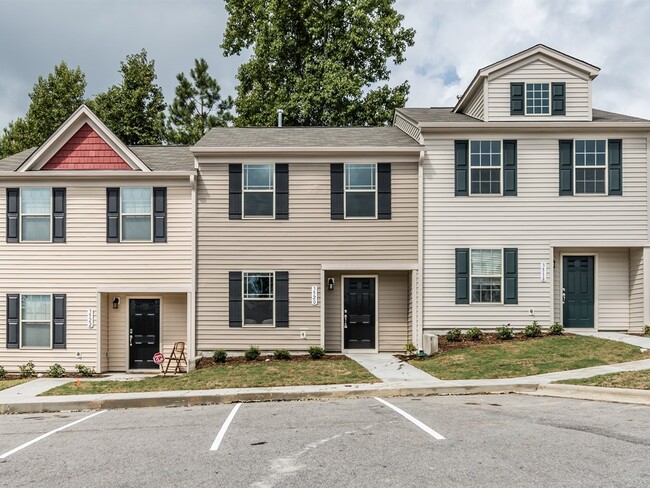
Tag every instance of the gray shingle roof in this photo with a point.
(254, 137)
(12, 163)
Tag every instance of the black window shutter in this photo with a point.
(13, 206)
(615, 166)
(234, 191)
(235, 292)
(282, 191)
(160, 214)
(510, 168)
(112, 215)
(13, 309)
(58, 215)
(336, 189)
(558, 98)
(461, 158)
(282, 299)
(510, 269)
(462, 275)
(58, 333)
(516, 99)
(566, 167)
(383, 191)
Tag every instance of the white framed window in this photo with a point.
(360, 191)
(486, 275)
(36, 321)
(136, 214)
(36, 214)
(485, 167)
(258, 298)
(537, 99)
(590, 166)
(258, 192)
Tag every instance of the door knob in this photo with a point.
(345, 319)
(563, 295)
(130, 337)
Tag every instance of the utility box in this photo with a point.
(429, 343)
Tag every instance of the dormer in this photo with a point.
(539, 84)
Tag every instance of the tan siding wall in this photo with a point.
(636, 290)
(299, 246)
(476, 107)
(86, 261)
(103, 317)
(530, 222)
(393, 310)
(577, 92)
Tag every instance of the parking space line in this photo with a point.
(224, 428)
(40, 438)
(410, 417)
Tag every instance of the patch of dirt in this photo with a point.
(211, 363)
(14, 376)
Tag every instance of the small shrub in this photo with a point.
(533, 330)
(252, 353)
(3, 373)
(316, 352)
(646, 330)
(474, 334)
(27, 370)
(556, 329)
(454, 335)
(281, 354)
(220, 356)
(56, 371)
(410, 349)
(504, 332)
(84, 370)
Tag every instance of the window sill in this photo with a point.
(258, 326)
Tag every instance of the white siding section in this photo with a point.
(475, 107)
(636, 290)
(533, 221)
(578, 103)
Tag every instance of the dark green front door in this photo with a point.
(578, 291)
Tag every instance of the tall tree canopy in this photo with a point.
(135, 108)
(321, 61)
(197, 106)
(53, 100)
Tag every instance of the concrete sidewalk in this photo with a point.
(641, 341)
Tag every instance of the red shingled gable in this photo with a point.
(86, 150)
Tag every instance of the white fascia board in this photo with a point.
(96, 174)
(304, 150)
(550, 126)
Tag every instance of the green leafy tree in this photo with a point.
(321, 61)
(135, 108)
(197, 106)
(53, 99)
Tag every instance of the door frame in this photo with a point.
(577, 254)
(342, 307)
(127, 356)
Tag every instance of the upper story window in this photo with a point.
(258, 190)
(590, 166)
(485, 167)
(136, 211)
(486, 275)
(361, 191)
(258, 298)
(36, 320)
(537, 99)
(36, 214)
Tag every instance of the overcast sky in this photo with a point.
(454, 39)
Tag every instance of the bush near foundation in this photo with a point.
(84, 370)
(316, 352)
(533, 330)
(556, 329)
(646, 330)
(56, 371)
(474, 334)
(252, 353)
(454, 335)
(220, 356)
(3, 373)
(505, 332)
(282, 354)
(27, 370)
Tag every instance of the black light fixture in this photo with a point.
(116, 302)
(330, 284)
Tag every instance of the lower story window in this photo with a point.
(486, 274)
(258, 302)
(36, 320)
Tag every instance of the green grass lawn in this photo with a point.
(525, 358)
(639, 380)
(235, 375)
(9, 383)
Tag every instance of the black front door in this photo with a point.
(144, 332)
(578, 292)
(359, 313)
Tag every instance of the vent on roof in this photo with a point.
(280, 112)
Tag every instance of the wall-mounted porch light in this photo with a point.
(116, 302)
(330, 284)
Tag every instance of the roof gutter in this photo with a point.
(305, 150)
(538, 126)
(95, 174)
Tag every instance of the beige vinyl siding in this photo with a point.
(393, 310)
(476, 107)
(86, 262)
(103, 329)
(533, 222)
(298, 245)
(578, 103)
(636, 290)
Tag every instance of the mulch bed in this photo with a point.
(68, 375)
(211, 363)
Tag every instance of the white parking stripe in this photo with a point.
(224, 428)
(409, 417)
(40, 438)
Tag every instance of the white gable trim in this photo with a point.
(83, 115)
(541, 58)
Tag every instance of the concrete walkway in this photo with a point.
(389, 369)
(641, 341)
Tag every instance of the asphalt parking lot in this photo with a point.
(498, 440)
